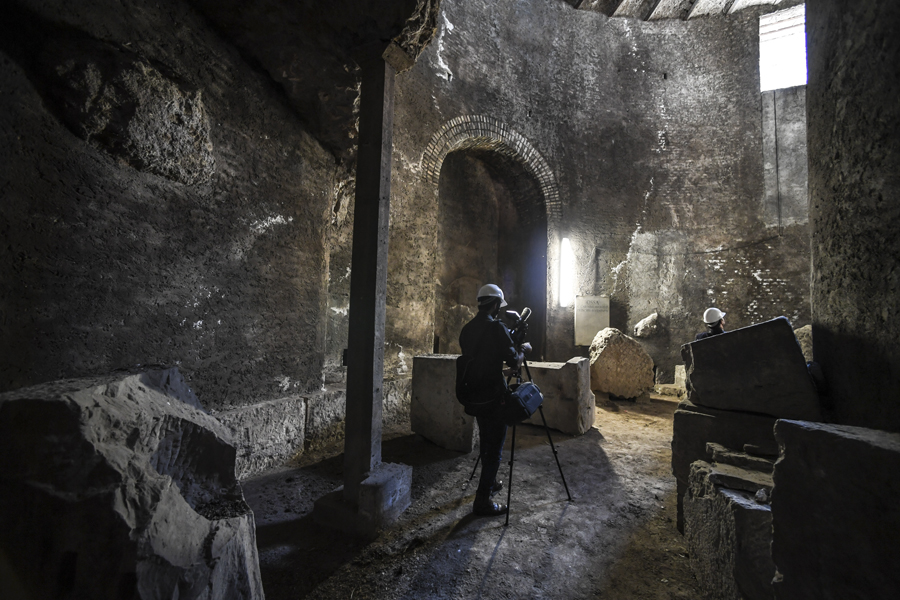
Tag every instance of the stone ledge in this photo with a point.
(266, 434)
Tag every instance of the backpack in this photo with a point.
(471, 392)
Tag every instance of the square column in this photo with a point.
(373, 494)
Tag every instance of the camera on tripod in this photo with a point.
(522, 400)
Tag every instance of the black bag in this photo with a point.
(520, 403)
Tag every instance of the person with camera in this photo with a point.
(489, 344)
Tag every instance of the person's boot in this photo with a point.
(485, 507)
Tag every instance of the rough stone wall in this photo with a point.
(653, 131)
(160, 205)
(854, 189)
(785, 157)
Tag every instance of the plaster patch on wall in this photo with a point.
(616, 271)
(443, 70)
(341, 310)
(257, 228)
(285, 383)
(269, 222)
(413, 166)
(402, 367)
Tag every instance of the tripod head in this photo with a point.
(518, 329)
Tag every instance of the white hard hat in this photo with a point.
(488, 292)
(712, 316)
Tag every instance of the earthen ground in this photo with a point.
(617, 539)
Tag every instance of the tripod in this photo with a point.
(512, 451)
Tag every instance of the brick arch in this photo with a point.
(480, 132)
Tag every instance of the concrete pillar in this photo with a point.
(368, 283)
(373, 494)
(854, 194)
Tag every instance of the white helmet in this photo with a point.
(488, 292)
(712, 316)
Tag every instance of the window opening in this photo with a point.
(782, 49)
(566, 273)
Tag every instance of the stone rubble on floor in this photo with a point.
(122, 486)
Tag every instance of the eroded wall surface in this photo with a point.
(161, 204)
(854, 190)
(653, 133)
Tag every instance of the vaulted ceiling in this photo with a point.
(307, 46)
(654, 10)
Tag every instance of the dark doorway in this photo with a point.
(492, 228)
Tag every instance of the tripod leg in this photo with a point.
(512, 458)
(552, 447)
(475, 468)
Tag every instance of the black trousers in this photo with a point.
(492, 433)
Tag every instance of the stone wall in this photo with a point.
(853, 164)
(652, 133)
(160, 205)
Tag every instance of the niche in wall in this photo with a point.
(492, 228)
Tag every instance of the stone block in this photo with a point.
(680, 377)
(668, 389)
(435, 413)
(756, 369)
(383, 497)
(325, 414)
(120, 487)
(397, 398)
(694, 426)
(267, 433)
(729, 537)
(647, 327)
(722, 455)
(804, 338)
(737, 478)
(568, 399)
(619, 365)
(835, 513)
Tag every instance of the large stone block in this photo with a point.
(326, 411)
(267, 433)
(835, 512)
(121, 487)
(568, 399)
(729, 537)
(619, 365)
(758, 369)
(694, 426)
(438, 416)
(435, 413)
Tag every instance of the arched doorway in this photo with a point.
(493, 222)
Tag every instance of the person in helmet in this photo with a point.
(488, 341)
(715, 323)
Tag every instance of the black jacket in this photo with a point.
(488, 342)
(714, 331)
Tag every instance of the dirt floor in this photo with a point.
(616, 539)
